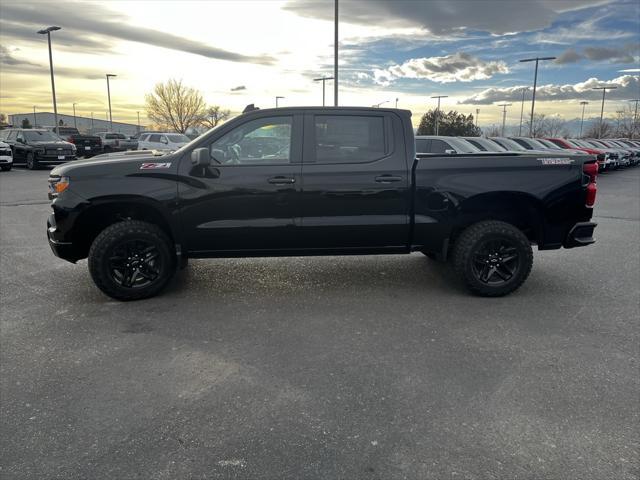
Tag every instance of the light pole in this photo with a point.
(35, 120)
(604, 92)
(109, 98)
(377, 105)
(47, 31)
(535, 83)
(635, 117)
(335, 54)
(438, 111)
(524, 90)
(75, 124)
(322, 79)
(396, 103)
(504, 115)
(138, 121)
(477, 115)
(278, 98)
(92, 131)
(584, 103)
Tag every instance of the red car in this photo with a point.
(566, 144)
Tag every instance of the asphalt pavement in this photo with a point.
(378, 367)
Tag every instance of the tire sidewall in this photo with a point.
(103, 247)
(31, 161)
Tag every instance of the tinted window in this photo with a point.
(12, 135)
(114, 136)
(476, 144)
(440, 146)
(523, 143)
(262, 141)
(154, 138)
(4, 134)
(422, 145)
(558, 143)
(40, 136)
(178, 138)
(349, 138)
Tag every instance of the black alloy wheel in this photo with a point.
(496, 261)
(134, 263)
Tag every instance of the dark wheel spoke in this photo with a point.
(500, 272)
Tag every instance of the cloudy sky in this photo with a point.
(240, 52)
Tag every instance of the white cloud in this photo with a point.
(459, 67)
(627, 86)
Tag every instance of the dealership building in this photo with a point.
(83, 124)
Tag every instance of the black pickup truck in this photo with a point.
(86, 145)
(317, 181)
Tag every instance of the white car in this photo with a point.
(6, 157)
(162, 141)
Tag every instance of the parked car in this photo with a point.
(344, 180)
(86, 145)
(614, 153)
(514, 146)
(443, 144)
(35, 147)
(624, 154)
(569, 145)
(162, 141)
(485, 144)
(541, 144)
(6, 157)
(116, 142)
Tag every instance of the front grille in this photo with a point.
(5, 152)
(54, 151)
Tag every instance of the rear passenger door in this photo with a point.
(355, 192)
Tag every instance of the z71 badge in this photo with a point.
(556, 161)
(150, 166)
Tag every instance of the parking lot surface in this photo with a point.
(378, 367)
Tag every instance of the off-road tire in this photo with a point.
(118, 234)
(467, 250)
(6, 168)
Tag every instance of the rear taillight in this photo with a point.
(590, 170)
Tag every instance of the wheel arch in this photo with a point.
(106, 211)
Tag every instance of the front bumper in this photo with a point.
(580, 235)
(53, 159)
(60, 248)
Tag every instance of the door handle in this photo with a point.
(388, 179)
(281, 180)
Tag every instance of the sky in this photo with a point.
(241, 52)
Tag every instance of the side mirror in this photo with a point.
(450, 152)
(201, 157)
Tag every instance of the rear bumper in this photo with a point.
(60, 248)
(580, 235)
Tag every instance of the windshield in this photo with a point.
(177, 138)
(462, 146)
(509, 144)
(41, 136)
(548, 144)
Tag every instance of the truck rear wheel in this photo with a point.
(32, 163)
(493, 258)
(132, 260)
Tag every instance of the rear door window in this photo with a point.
(350, 138)
(154, 138)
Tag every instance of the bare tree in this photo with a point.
(625, 126)
(556, 127)
(215, 116)
(175, 105)
(594, 130)
(492, 131)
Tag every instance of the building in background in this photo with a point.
(84, 124)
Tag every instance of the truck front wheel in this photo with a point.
(131, 260)
(493, 258)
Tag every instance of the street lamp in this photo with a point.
(109, 98)
(604, 92)
(535, 82)
(138, 121)
(504, 114)
(438, 111)
(396, 103)
(524, 90)
(635, 117)
(75, 124)
(584, 103)
(335, 54)
(47, 31)
(377, 105)
(323, 80)
(477, 115)
(35, 120)
(278, 98)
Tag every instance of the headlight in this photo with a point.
(57, 185)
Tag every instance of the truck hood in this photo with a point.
(51, 144)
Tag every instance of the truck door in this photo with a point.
(247, 198)
(356, 182)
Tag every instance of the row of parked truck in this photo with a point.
(611, 154)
